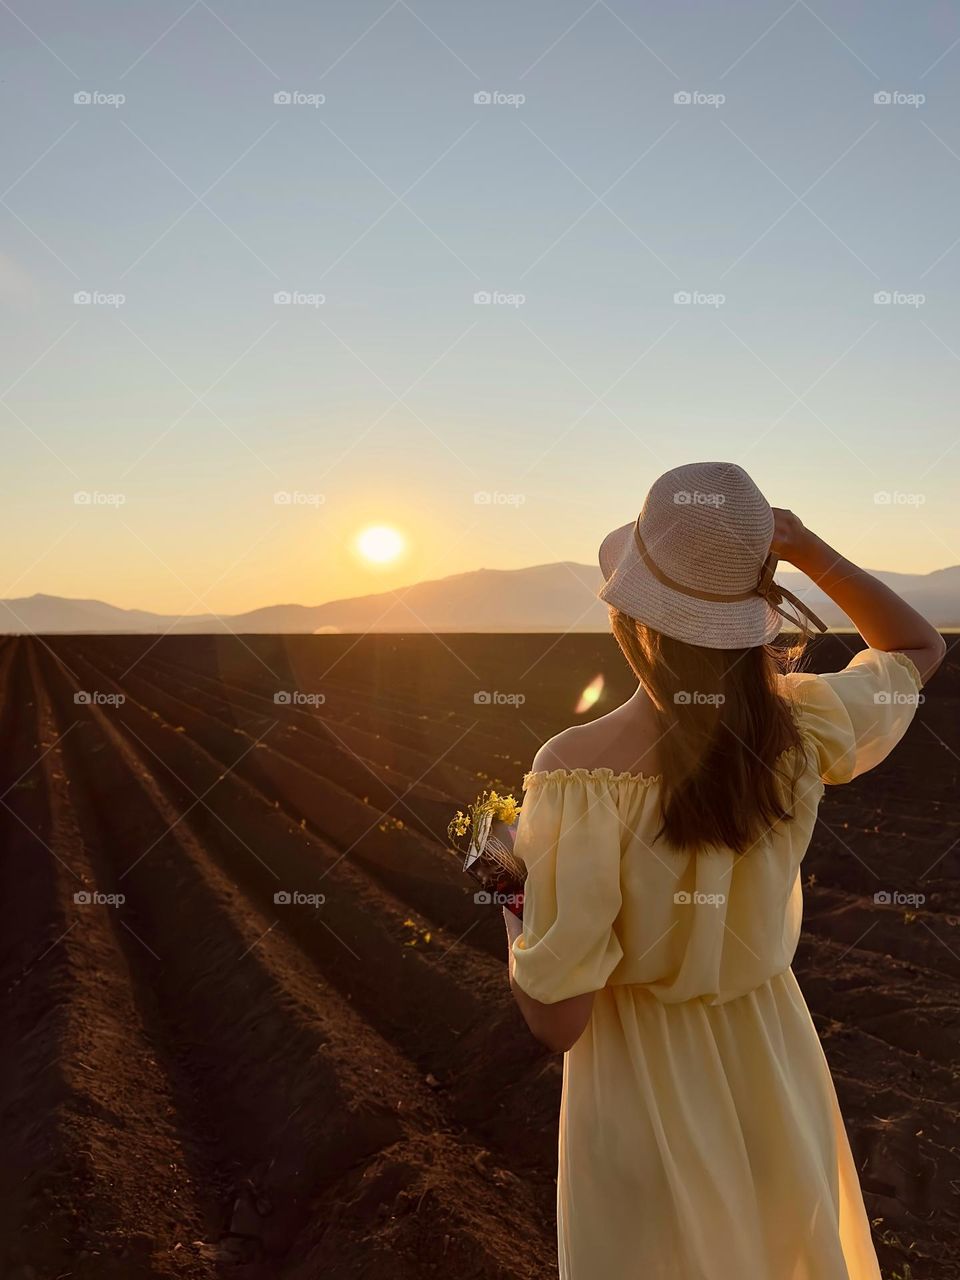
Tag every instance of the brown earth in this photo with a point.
(205, 1081)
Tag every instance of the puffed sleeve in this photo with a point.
(858, 715)
(569, 839)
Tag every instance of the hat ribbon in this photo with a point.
(773, 592)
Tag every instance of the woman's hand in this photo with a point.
(789, 535)
(514, 925)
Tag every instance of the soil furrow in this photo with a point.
(95, 1101)
(200, 901)
(401, 859)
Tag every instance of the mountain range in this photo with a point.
(548, 597)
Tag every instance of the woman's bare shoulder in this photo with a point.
(621, 740)
(568, 749)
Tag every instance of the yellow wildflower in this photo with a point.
(507, 810)
(459, 825)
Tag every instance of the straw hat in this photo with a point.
(696, 564)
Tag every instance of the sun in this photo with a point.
(380, 544)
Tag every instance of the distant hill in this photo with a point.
(41, 614)
(548, 597)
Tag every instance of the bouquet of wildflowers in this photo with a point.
(489, 825)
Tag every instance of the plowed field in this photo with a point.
(256, 1025)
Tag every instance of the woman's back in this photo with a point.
(612, 901)
(626, 740)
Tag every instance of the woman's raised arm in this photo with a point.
(884, 620)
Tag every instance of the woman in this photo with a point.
(700, 1137)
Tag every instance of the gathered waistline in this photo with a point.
(709, 1000)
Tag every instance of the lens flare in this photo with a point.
(590, 695)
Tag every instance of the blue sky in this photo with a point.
(782, 199)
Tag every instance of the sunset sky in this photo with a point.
(784, 206)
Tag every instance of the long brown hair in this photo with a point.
(725, 734)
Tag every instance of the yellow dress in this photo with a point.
(700, 1137)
